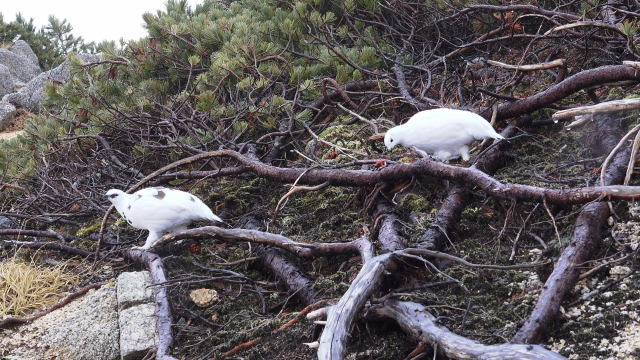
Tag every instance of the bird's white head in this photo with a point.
(115, 196)
(391, 138)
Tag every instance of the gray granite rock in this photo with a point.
(7, 81)
(137, 331)
(85, 329)
(20, 66)
(134, 289)
(7, 113)
(21, 47)
(32, 94)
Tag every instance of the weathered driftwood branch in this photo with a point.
(416, 321)
(404, 89)
(359, 246)
(342, 315)
(609, 106)
(163, 313)
(287, 272)
(530, 67)
(586, 236)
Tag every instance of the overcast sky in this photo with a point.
(93, 20)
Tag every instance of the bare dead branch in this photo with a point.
(416, 321)
(405, 171)
(530, 67)
(582, 80)
(608, 106)
(585, 23)
(48, 245)
(38, 233)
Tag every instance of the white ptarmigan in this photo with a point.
(160, 210)
(446, 133)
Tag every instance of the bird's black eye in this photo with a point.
(391, 140)
(113, 195)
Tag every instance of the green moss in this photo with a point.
(85, 231)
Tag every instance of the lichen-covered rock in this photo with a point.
(20, 66)
(7, 113)
(7, 81)
(137, 331)
(134, 288)
(85, 329)
(203, 297)
(32, 94)
(22, 48)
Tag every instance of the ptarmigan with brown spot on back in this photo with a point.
(160, 210)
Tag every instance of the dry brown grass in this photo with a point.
(26, 286)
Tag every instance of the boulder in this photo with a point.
(7, 113)
(22, 48)
(134, 289)
(20, 66)
(137, 335)
(137, 320)
(113, 322)
(85, 329)
(7, 81)
(32, 94)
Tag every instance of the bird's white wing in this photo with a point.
(197, 207)
(160, 209)
(453, 121)
(435, 134)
